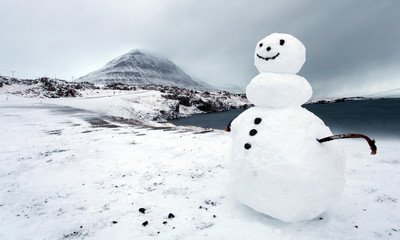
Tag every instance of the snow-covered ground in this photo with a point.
(139, 104)
(70, 174)
(157, 103)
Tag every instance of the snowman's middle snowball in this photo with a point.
(278, 90)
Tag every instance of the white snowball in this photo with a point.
(278, 90)
(285, 172)
(279, 53)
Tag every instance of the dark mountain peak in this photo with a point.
(136, 52)
(138, 67)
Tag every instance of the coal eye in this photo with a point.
(282, 42)
(260, 45)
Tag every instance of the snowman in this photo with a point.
(278, 165)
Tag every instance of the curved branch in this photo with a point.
(371, 143)
(228, 128)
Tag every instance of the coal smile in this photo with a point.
(268, 58)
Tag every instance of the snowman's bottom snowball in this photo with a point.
(308, 204)
(286, 174)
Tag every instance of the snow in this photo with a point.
(62, 176)
(143, 104)
(16, 89)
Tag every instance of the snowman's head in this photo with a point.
(279, 53)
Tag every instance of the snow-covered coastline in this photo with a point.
(69, 174)
(156, 103)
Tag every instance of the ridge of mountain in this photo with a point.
(392, 93)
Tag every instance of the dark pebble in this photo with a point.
(145, 223)
(165, 222)
(171, 215)
(142, 210)
(214, 216)
(247, 146)
(114, 222)
(356, 226)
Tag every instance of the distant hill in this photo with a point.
(394, 93)
(232, 88)
(141, 68)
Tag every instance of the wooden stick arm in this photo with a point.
(371, 143)
(228, 128)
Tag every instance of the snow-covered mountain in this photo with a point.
(142, 68)
(232, 88)
(394, 93)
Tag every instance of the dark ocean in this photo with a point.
(377, 117)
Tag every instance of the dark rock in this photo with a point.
(209, 202)
(321, 102)
(185, 101)
(171, 215)
(142, 210)
(206, 106)
(145, 223)
(341, 100)
(118, 86)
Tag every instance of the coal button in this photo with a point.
(253, 132)
(257, 121)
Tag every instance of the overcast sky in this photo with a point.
(353, 47)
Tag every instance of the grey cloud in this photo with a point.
(212, 40)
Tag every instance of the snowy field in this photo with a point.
(71, 174)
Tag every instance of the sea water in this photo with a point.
(375, 117)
